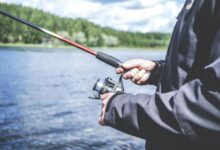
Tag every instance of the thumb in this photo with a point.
(104, 96)
(131, 64)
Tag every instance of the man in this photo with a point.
(184, 113)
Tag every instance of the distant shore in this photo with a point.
(71, 47)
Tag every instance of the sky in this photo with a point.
(126, 15)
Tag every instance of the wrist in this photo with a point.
(157, 65)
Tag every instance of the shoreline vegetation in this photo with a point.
(45, 46)
(79, 30)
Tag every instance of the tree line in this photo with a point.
(79, 30)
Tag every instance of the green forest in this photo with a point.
(78, 30)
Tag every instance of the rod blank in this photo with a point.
(49, 33)
(112, 61)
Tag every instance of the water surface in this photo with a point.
(44, 100)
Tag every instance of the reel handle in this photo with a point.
(112, 61)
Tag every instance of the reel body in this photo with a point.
(107, 86)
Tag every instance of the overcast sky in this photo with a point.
(128, 15)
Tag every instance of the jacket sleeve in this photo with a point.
(193, 111)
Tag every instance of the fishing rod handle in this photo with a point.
(112, 61)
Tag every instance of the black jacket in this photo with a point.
(184, 113)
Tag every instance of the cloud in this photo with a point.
(128, 15)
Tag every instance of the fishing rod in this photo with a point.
(110, 60)
(100, 87)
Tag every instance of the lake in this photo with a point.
(44, 100)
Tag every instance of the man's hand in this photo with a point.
(105, 98)
(137, 70)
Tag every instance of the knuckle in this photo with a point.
(125, 75)
(136, 70)
(143, 80)
(138, 76)
(137, 82)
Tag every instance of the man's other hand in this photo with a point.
(137, 70)
(105, 98)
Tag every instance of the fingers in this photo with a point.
(105, 98)
(130, 74)
(144, 78)
(101, 117)
(102, 114)
(139, 63)
(139, 75)
(134, 63)
(131, 67)
(119, 70)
